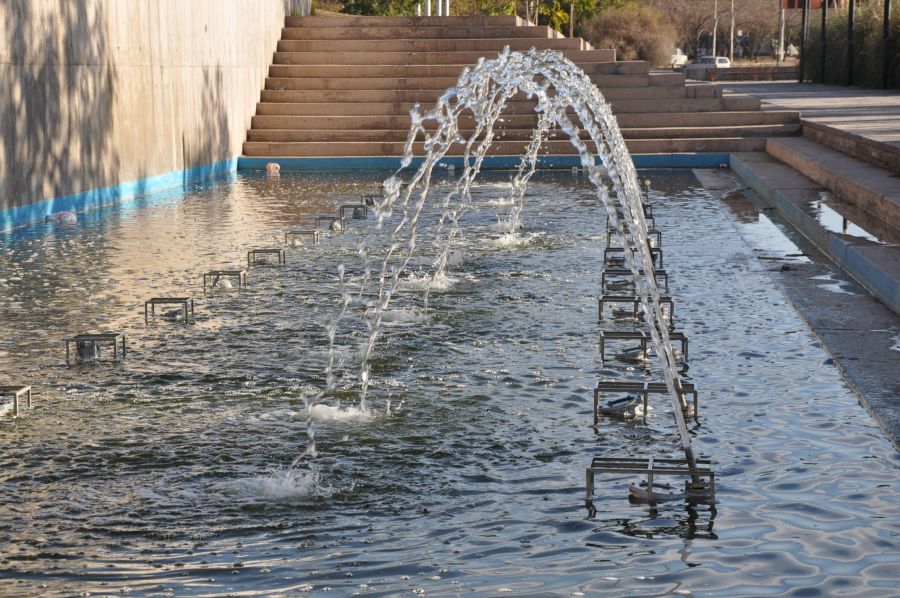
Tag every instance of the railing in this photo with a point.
(443, 8)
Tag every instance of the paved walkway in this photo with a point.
(870, 113)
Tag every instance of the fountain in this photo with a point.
(560, 91)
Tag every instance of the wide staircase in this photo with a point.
(343, 86)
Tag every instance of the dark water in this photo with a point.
(167, 475)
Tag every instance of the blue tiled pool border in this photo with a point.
(87, 200)
(78, 202)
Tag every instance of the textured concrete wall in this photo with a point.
(100, 92)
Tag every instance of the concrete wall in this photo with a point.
(100, 92)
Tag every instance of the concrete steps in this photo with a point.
(344, 86)
(635, 68)
(501, 147)
(880, 154)
(430, 96)
(628, 122)
(432, 45)
(507, 133)
(856, 182)
(608, 84)
(337, 108)
(395, 32)
(462, 57)
(354, 22)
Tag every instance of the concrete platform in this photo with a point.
(862, 123)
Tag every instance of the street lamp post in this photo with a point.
(824, 39)
(886, 38)
(804, 39)
(851, 26)
(715, 25)
(731, 35)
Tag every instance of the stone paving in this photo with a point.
(870, 113)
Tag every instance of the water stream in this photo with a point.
(558, 87)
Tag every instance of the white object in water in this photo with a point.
(632, 355)
(88, 351)
(224, 283)
(64, 217)
(626, 407)
(659, 493)
(273, 169)
(173, 314)
(336, 225)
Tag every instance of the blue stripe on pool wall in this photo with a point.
(79, 202)
(697, 160)
(88, 200)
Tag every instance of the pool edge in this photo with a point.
(15, 217)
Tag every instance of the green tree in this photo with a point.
(551, 12)
(496, 7)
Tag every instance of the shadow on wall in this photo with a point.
(57, 104)
(210, 142)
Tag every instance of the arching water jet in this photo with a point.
(560, 91)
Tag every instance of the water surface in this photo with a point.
(167, 474)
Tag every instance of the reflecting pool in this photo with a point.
(167, 474)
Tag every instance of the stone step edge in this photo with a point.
(851, 257)
(849, 188)
(395, 148)
(879, 154)
(526, 133)
(792, 116)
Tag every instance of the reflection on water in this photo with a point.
(168, 473)
(839, 223)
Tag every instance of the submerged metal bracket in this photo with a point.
(610, 274)
(654, 236)
(643, 338)
(358, 211)
(611, 255)
(92, 343)
(212, 277)
(254, 254)
(635, 302)
(645, 389)
(17, 393)
(292, 235)
(186, 303)
(694, 489)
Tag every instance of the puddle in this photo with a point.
(836, 285)
(838, 223)
(768, 241)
